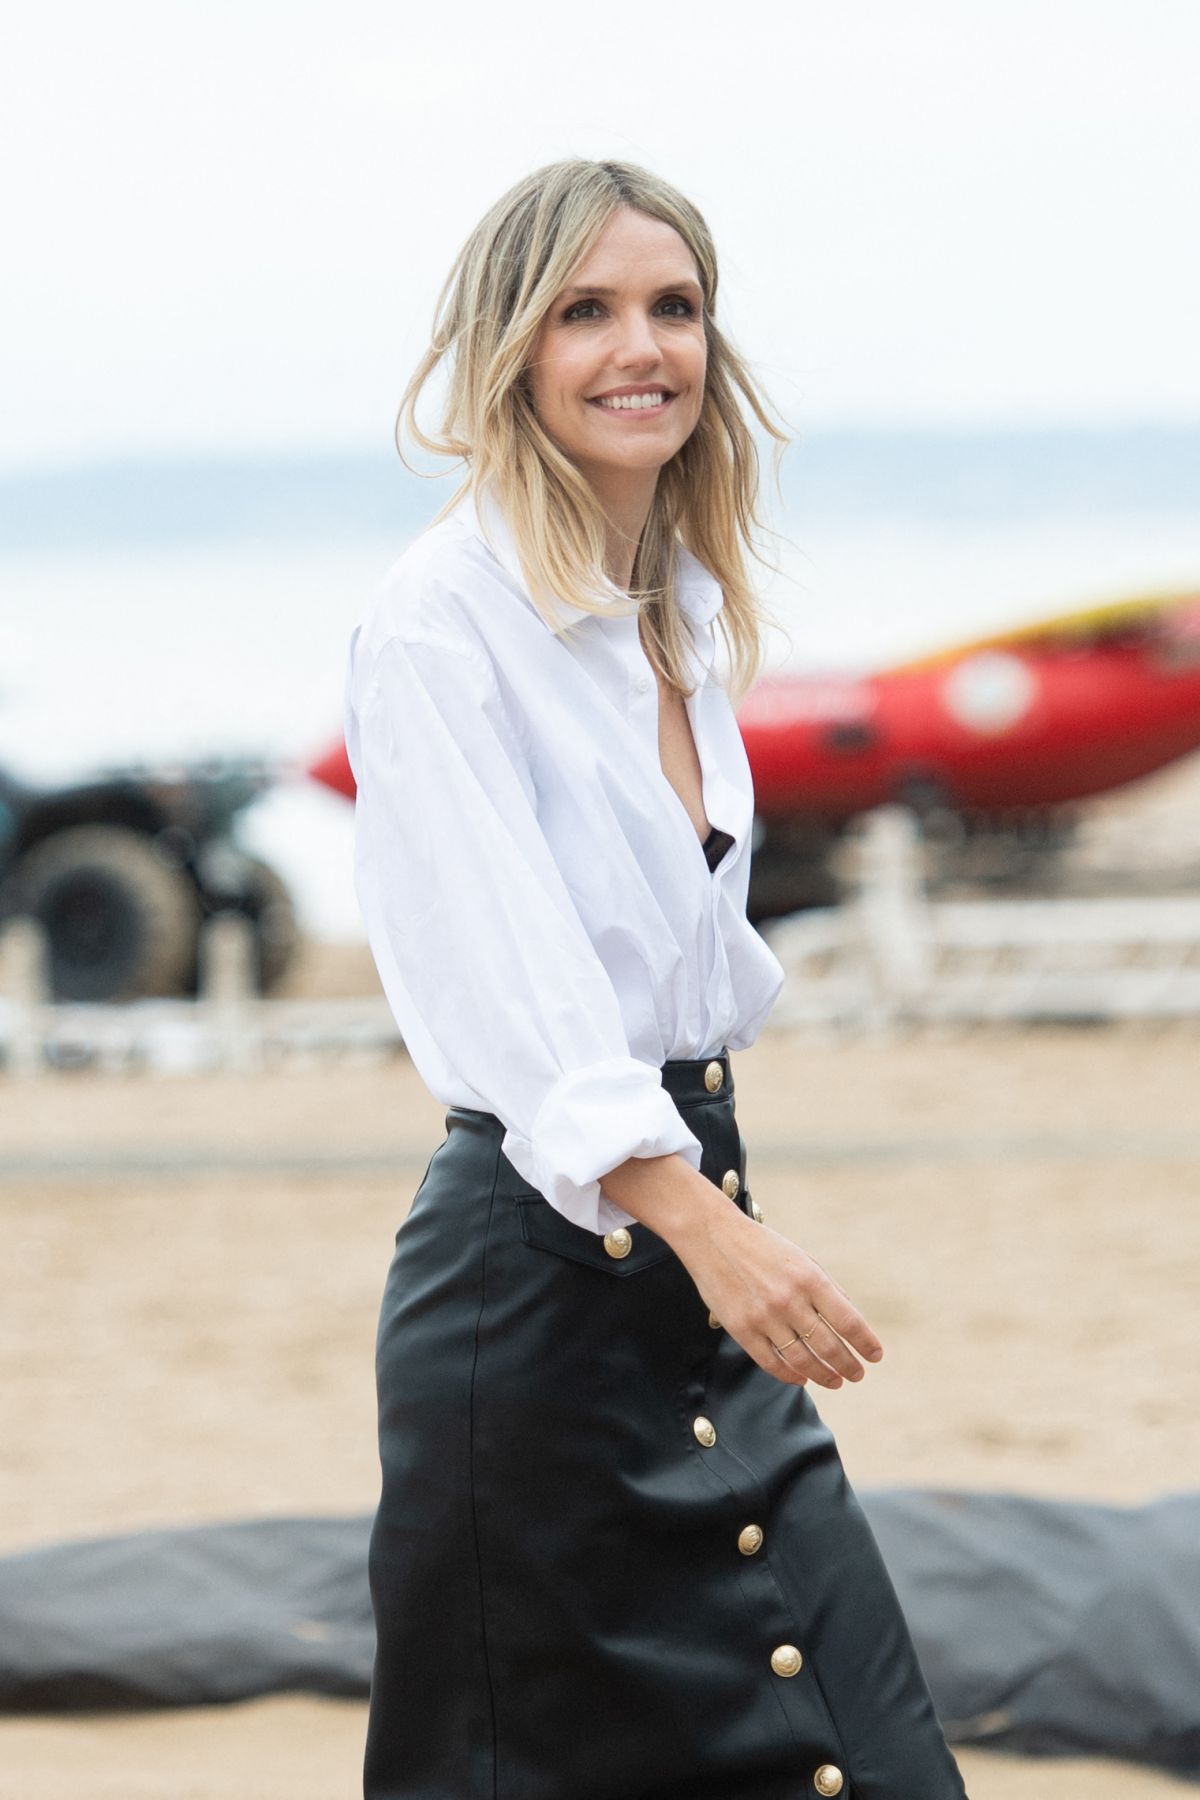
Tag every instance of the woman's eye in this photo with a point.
(674, 306)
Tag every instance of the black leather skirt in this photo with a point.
(613, 1559)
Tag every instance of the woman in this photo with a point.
(615, 1555)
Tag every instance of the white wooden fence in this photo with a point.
(888, 957)
(228, 1026)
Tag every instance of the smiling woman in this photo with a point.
(607, 1498)
(590, 282)
(617, 375)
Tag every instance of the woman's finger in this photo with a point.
(804, 1361)
(764, 1353)
(813, 1367)
(823, 1341)
(845, 1319)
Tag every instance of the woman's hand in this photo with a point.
(767, 1293)
(779, 1304)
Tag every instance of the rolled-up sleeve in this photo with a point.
(482, 955)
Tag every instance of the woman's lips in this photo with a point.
(625, 411)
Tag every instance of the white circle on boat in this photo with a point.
(989, 691)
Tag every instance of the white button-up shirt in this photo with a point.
(537, 900)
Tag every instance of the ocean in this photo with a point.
(162, 610)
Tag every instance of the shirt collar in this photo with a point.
(697, 589)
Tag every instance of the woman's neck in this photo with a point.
(625, 497)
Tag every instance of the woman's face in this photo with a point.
(617, 369)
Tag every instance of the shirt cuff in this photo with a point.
(591, 1121)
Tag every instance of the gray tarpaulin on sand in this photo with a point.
(1042, 1626)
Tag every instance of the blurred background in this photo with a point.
(958, 245)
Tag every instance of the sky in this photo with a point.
(227, 222)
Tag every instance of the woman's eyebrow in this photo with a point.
(606, 293)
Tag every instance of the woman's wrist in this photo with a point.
(666, 1194)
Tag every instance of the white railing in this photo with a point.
(228, 1026)
(891, 955)
(888, 956)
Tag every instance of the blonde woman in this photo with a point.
(615, 1556)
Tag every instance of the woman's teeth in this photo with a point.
(631, 402)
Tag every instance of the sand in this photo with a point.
(189, 1336)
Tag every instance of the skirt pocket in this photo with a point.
(625, 1251)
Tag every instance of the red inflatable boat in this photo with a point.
(1036, 717)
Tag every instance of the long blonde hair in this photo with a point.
(502, 284)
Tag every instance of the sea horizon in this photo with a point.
(954, 475)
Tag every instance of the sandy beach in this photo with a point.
(188, 1316)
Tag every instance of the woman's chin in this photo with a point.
(649, 454)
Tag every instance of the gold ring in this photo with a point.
(782, 1347)
(811, 1329)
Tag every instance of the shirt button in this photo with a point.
(787, 1660)
(750, 1539)
(828, 1780)
(714, 1076)
(730, 1183)
(756, 1212)
(705, 1431)
(618, 1242)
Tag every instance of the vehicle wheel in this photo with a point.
(268, 904)
(121, 920)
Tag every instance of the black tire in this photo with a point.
(267, 903)
(121, 920)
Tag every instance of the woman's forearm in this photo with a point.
(667, 1194)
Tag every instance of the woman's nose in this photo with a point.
(638, 344)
